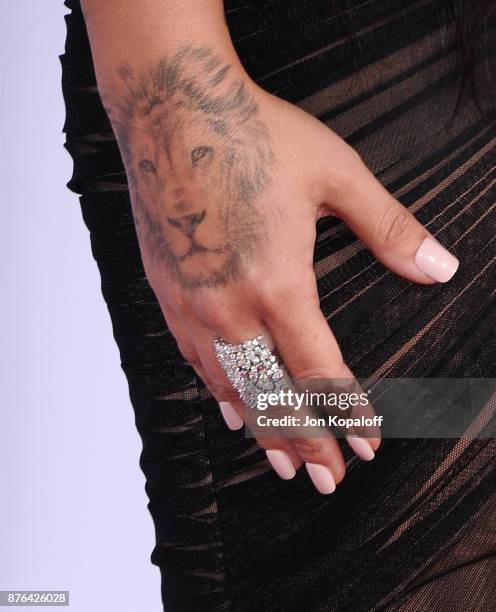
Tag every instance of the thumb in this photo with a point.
(389, 229)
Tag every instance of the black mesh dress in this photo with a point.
(415, 529)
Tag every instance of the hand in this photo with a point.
(227, 184)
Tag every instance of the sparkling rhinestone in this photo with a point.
(253, 374)
(252, 356)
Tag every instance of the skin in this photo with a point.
(197, 158)
(227, 183)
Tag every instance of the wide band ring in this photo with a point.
(252, 368)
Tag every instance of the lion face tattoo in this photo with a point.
(196, 158)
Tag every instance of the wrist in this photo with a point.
(139, 35)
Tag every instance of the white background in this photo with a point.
(73, 510)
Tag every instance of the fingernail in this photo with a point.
(435, 261)
(361, 447)
(231, 417)
(321, 477)
(282, 464)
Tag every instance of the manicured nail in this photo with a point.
(282, 464)
(321, 477)
(435, 261)
(361, 447)
(231, 417)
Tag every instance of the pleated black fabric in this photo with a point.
(414, 530)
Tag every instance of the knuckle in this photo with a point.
(338, 369)
(276, 305)
(213, 312)
(214, 319)
(307, 447)
(273, 302)
(270, 443)
(270, 306)
(308, 373)
(224, 391)
(394, 225)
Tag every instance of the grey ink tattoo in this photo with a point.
(197, 155)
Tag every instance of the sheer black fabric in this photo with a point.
(416, 528)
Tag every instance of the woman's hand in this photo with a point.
(227, 184)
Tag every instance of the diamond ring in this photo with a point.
(251, 368)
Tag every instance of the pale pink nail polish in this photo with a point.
(282, 463)
(435, 261)
(361, 447)
(231, 417)
(321, 477)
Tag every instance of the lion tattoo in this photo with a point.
(196, 157)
